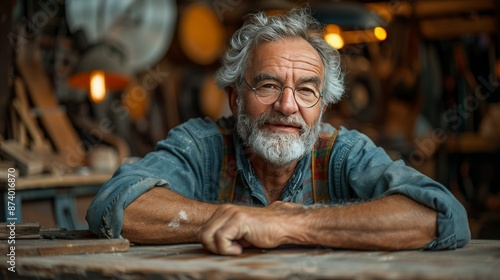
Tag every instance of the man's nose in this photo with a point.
(286, 104)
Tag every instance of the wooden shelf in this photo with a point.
(51, 180)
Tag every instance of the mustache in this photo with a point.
(274, 118)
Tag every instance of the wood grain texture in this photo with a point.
(56, 123)
(478, 260)
(20, 230)
(54, 180)
(47, 247)
(28, 162)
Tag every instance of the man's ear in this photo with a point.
(232, 95)
(325, 107)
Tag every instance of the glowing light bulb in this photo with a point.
(332, 36)
(97, 86)
(380, 33)
(334, 40)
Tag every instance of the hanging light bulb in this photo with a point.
(334, 40)
(101, 69)
(332, 36)
(380, 33)
(97, 86)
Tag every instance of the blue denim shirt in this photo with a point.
(189, 162)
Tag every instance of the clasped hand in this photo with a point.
(232, 228)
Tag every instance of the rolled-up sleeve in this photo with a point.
(452, 223)
(178, 162)
(370, 173)
(105, 213)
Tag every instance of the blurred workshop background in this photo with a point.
(88, 84)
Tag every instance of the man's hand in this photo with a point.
(390, 223)
(232, 228)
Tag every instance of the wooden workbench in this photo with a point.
(478, 260)
(62, 190)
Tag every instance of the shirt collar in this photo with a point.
(251, 180)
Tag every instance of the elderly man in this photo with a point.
(273, 173)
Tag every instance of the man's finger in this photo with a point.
(226, 238)
(208, 230)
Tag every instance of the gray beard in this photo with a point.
(279, 149)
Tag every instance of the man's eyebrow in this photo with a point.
(265, 76)
(311, 79)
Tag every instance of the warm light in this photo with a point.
(334, 40)
(332, 29)
(201, 33)
(380, 33)
(332, 36)
(97, 86)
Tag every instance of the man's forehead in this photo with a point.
(283, 54)
(286, 46)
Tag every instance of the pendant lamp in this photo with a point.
(100, 69)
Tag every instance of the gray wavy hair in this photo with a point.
(261, 28)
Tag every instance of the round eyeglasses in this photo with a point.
(306, 95)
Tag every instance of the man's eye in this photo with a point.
(306, 90)
(270, 86)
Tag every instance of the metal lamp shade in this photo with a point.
(105, 58)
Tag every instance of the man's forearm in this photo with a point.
(161, 216)
(391, 223)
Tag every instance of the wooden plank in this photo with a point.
(46, 247)
(455, 27)
(470, 143)
(57, 125)
(28, 162)
(451, 7)
(478, 260)
(20, 230)
(426, 9)
(16, 129)
(21, 105)
(64, 180)
(5, 165)
(61, 233)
